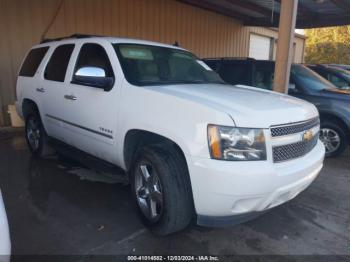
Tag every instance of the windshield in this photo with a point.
(154, 65)
(307, 78)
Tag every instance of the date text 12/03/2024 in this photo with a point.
(173, 258)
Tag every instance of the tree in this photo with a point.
(328, 45)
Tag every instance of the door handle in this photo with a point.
(70, 97)
(40, 90)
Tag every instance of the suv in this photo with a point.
(333, 104)
(337, 76)
(190, 145)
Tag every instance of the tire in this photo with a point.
(34, 129)
(334, 137)
(168, 174)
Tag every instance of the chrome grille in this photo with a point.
(294, 128)
(295, 150)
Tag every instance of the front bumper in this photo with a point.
(5, 244)
(221, 221)
(227, 189)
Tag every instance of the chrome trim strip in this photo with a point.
(295, 123)
(293, 128)
(81, 127)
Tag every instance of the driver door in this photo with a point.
(92, 119)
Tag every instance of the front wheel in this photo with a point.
(162, 190)
(334, 138)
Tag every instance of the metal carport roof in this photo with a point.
(311, 13)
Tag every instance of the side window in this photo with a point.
(57, 66)
(337, 81)
(320, 72)
(32, 61)
(235, 74)
(264, 78)
(94, 55)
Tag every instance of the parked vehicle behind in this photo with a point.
(191, 146)
(5, 244)
(337, 76)
(342, 66)
(333, 104)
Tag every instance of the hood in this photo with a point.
(247, 106)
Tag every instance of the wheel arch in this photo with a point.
(28, 106)
(137, 138)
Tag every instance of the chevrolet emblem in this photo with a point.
(307, 135)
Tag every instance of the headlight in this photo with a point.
(236, 144)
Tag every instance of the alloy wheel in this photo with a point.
(149, 192)
(330, 139)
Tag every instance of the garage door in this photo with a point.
(259, 47)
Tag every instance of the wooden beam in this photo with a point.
(288, 14)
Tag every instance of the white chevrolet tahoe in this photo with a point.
(191, 146)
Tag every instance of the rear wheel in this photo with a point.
(334, 138)
(162, 191)
(36, 136)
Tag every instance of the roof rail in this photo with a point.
(77, 36)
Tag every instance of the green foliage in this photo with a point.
(328, 45)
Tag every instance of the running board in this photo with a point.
(89, 161)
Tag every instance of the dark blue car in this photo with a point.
(333, 104)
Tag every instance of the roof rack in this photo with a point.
(77, 36)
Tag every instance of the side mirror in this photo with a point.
(93, 76)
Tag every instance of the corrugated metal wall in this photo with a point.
(22, 22)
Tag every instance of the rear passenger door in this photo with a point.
(53, 88)
(29, 75)
(91, 120)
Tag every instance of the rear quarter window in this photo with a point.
(32, 61)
